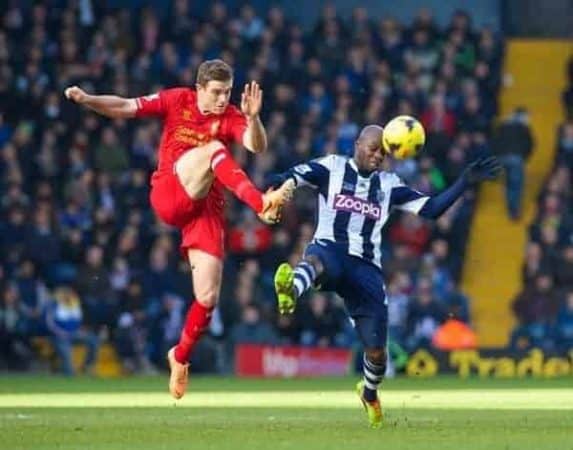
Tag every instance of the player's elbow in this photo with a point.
(255, 147)
(117, 115)
(126, 110)
(427, 215)
(430, 211)
(130, 109)
(260, 148)
(120, 113)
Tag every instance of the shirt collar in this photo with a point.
(361, 173)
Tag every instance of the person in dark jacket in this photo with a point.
(513, 144)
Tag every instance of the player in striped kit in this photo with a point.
(355, 199)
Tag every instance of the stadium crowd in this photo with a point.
(84, 260)
(544, 308)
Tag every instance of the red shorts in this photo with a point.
(201, 221)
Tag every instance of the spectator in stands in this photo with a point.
(133, 330)
(442, 281)
(42, 235)
(564, 324)
(34, 296)
(65, 323)
(167, 325)
(94, 288)
(288, 330)
(403, 259)
(412, 232)
(425, 315)
(564, 268)
(159, 278)
(15, 350)
(398, 298)
(5, 131)
(535, 308)
(249, 236)
(548, 236)
(440, 125)
(536, 262)
(513, 143)
(251, 329)
(567, 97)
(321, 325)
(565, 144)
(442, 258)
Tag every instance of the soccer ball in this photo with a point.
(403, 137)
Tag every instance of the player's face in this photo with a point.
(369, 154)
(214, 96)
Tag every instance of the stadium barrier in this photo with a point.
(496, 363)
(269, 361)
(287, 362)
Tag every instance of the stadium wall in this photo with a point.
(263, 361)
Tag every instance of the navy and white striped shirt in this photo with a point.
(352, 209)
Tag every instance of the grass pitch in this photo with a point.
(226, 413)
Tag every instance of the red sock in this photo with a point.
(228, 172)
(196, 322)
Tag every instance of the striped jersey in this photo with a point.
(353, 208)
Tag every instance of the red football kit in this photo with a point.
(184, 128)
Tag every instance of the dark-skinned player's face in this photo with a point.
(214, 96)
(368, 154)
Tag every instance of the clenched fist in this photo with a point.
(76, 94)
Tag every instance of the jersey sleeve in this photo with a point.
(314, 173)
(405, 198)
(155, 105)
(236, 124)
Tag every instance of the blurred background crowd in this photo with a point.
(84, 260)
(544, 308)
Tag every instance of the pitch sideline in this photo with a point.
(505, 399)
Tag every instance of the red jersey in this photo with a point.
(185, 127)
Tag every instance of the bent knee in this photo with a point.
(194, 155)
(207, 297)
(212, 146)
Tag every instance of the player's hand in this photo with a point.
(275, 180)
(483, 168)
(252, 99)
(76, 94)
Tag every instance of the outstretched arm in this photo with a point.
(111, 106)
(485, 168)
(440, 203)
(314, 173)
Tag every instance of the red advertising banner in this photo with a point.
(268, 361)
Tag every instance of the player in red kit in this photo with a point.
(194, 164)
